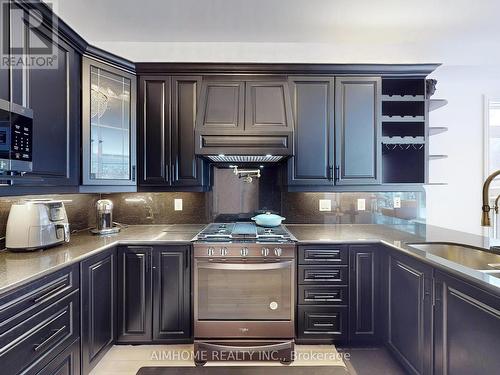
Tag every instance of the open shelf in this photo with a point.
(437, 103)
(403, 109)
(403, 129)
(437, 157)
(434, 130)
(403, 166)
(402, 118)
(403, 98)
(403, 86)
(403, 140)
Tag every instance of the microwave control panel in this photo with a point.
(21, 140)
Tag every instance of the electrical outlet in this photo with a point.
(325, 205)
(361, 204)
(397, 202)
(178, 204)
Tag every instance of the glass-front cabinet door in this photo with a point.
(109, 127)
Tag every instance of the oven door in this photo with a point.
(244, 299)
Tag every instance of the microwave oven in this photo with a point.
(16, 138)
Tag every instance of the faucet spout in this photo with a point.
(485, 220)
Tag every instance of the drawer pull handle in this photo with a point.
(322, 276)
(54, 334)
(324, 297)
(50, 292)
(323, 325)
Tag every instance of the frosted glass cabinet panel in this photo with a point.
(109, 137)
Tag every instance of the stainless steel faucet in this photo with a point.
(485, 220)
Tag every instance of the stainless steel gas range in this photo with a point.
(244, 278)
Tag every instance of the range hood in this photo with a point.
(244, 120)
(222, 158)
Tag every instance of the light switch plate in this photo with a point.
(325, 205)
(397, 202)
(178, 204)
(361, 204)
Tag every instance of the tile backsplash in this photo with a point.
(233, 196)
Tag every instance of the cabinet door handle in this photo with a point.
(133, 173)
(330, 173)
(337, 173)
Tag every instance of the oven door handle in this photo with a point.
(271, 347)
(245, 266)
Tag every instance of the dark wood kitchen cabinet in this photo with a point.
(108, 126)
(39, 320)
(322, 290)
(358, 108)
(134, 294)
(66, 362)
(167, 117)
(171, 294)
(56, 122)
(467, 328)
(409, 312)
(313, 114)
(98, 302)
(364, 284)
(154, 294)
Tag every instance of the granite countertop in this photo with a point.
(398, 237)
(19, 268)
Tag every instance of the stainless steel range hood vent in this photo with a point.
(245, 158)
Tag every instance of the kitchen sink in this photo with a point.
(468, 256)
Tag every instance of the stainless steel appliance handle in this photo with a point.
(272, 347)
(245, 266)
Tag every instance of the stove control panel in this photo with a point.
(247, 250)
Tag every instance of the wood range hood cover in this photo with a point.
(244, 119)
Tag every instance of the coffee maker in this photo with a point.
(36, 224)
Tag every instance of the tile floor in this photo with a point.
(128, 359)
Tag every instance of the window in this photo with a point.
(492, 139)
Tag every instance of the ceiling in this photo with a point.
(411, 30)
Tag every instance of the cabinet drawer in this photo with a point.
(322, 322)
(331, 254)
(323, 275)
(323, 295)
(35, 296)
(66, 363)
(40, 337)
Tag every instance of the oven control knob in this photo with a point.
(278, 251)
(244, 252)
(210, 251)
(265, 251)
(223, 251)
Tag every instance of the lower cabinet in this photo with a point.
(467, 328)
(364, 287)
(66, 363)
(154, 294)
(322, 294)
(409, 312)
(171, 294)
(134, 294)
(98, 318)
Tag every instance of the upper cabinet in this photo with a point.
(52, 92)
(109, 125)
(313, 113)
(358, 128)
(167, 117)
